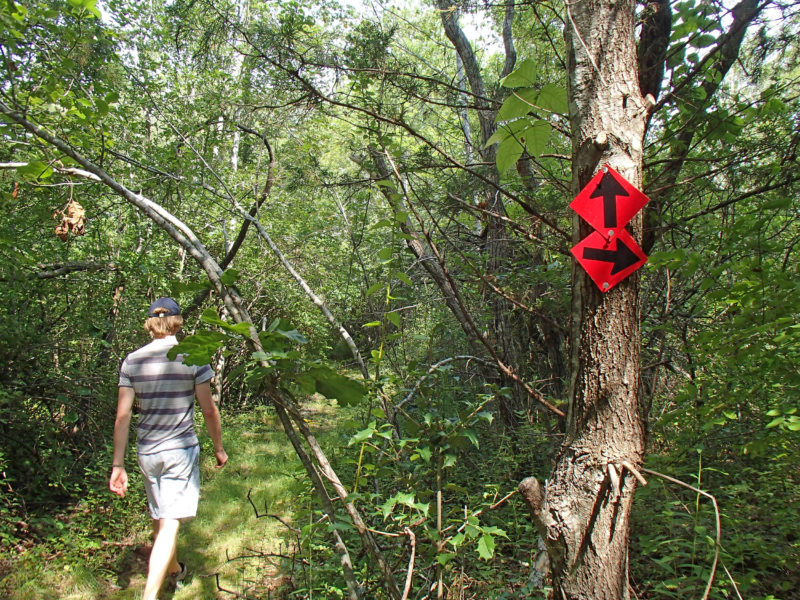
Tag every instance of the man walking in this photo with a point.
(167, 445)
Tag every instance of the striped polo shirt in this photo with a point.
(165, 389)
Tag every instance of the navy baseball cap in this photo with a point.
(173, 310)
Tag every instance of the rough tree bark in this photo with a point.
(583, 509)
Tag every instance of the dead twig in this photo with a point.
(412, 540)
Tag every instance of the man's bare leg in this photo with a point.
(174, 566)
(163, 553)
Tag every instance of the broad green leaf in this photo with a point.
(333, 385)
(783, 202)
(210, 316)
(363, 435)
(293, 335)
(443, 559)
(375, 287)
(486, 547)
(704, 40)
(775, 422)
(385, 253)
(229, 276)
(307, 383)
(383, 223)
(511, 128)
(553, 98)
(403, 277)
(425, 453)
(472, 437)
(508, 153)
(177, 288)
(393, 318)
(524, 75)
(536, 137)
(457, 540)
(241, 328)
(198, 349)
(518, 104)
(35, 170)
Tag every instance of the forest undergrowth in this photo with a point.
(97, 548)
(259, 532)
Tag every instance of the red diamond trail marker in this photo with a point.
(609, 261)
(609, 254)
(608, 202)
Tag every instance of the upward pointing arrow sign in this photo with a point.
(608, 202)
(609, 189)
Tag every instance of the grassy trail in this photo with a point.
(80, 565)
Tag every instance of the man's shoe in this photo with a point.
(180, 575)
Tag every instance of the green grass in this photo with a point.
(98, 549)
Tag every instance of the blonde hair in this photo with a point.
(160, 326)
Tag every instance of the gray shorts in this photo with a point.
(172, 482)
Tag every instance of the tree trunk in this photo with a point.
(583, 510)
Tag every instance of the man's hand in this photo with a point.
(119, 481)
(222, 458)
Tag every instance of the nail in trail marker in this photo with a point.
(608, 203)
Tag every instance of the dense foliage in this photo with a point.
(332, 161)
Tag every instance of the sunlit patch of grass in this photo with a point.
(261, 462)
(101, 550)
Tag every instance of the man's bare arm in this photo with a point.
(119, 476)
(202, 392)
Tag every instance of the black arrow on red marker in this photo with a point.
(609, 188)
(623, 257)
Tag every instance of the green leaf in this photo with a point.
(383, 223)
(241, 328)
(211, 317)
(518, 104)
(363, 435)
(472, 437)
(524, 75)
(198, 349)
(775, 422)
(511, 128)
(292, 334)
(443, 559)
(486, 547)
(425, 453)
(229, 276)
(393, 318)
(375, 287)
(457, 540)
(177, 288)
(35, 170)
(403, 277)
(704, 40)
(332, 385)
(783, 202)
(385, 253)
(553, 98)
(508, 153)
(536, 137)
